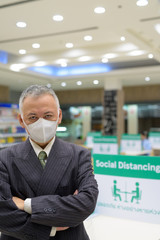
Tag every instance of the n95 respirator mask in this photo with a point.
(42, 130)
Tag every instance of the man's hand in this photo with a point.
(61, 228)
(19, 202)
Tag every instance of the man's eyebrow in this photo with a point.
(30, 114)
(49, 112)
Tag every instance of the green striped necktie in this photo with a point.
(42, 156)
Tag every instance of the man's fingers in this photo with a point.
(75, 193)
(61, 228)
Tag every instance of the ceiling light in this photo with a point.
(40, 63)
(84, 58)
(88, 38)
(123, 39)
(95, 82)
(110, 55)
(157, 28)
(150, 55)
(63, 84)
(58, 18)
(125, 47)
(69, 45)
(104, 60)
(22, 51)
(21, 24)
(136, 53)
(36, 45)
(142, 3)
(147, 79)
(79, 83)
(17, 67)
(61, 61)
(99, 10)
(63, 64)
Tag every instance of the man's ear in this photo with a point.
(60, 116)
(20, 121)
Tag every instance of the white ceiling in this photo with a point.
(121, 18)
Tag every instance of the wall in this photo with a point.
(4, 94)
(95, 96)
(142, 93)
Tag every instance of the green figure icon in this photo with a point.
(115, 191)
(136, 192)
(108, 149)
(101, 148)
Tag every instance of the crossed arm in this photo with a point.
(20, 204)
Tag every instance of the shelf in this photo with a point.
(5, 135)
(4, 145)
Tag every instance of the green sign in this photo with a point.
(130, 143)
(105, 145)
(127, 166)
(105, 139)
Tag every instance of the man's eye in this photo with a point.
(49, 116)
(32, 118)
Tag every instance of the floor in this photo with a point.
(109, 228)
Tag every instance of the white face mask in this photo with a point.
(42, 130)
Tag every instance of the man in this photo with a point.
(51, 197)
(146, 145)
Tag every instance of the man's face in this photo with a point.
(43, 106)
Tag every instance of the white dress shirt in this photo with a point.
(27, 202)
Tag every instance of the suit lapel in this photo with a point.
(29, 165)
(57, 163)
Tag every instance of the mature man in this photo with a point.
(47, 187)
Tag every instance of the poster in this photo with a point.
(105, 145)
(128, 186)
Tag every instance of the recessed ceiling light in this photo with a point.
(123, 38)
(147, 79)
(88, 38)
(63, 64)
(36, 45)
(22, 51)
(61, 61)
(63, 84)
(58, 18)
(21, 24)
(79, 83)
(136, 53)
(142, 3)
(99, 10)
(40, 63)
(125, 47)
(84, 58)
(69, 45)
(95, 82)
(157, 28)
(104, 60)
(150, 55)
(110, 55)
(17, 67)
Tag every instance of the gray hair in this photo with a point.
(35, 91)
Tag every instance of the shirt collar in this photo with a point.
(38, 149)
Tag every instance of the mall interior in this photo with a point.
(102, 59)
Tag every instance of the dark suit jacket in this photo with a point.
(53, 204)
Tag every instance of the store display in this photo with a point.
(10, 130)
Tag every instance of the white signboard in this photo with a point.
(131, 143)
(105, 145)
(128, 186)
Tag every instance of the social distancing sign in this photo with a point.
(128, 186)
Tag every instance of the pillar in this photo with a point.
(113, 117)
